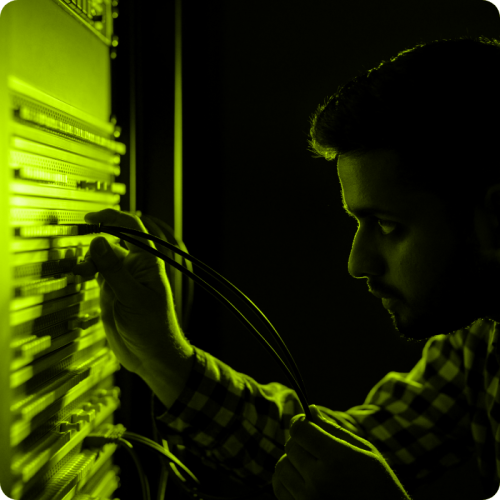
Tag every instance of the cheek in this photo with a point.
(417, 262)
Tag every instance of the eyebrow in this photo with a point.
(366, 211)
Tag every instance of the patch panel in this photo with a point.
(59, 160)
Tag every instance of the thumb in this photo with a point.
(111, 268)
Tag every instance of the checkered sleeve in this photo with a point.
(227, 418)
(420, 421)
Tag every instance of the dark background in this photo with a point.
(258, 208)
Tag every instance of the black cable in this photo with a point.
(267, 324)
(187, 304)
(118, 232)
(144, 480)
(189, 485)
(115, 231)
(162, 482)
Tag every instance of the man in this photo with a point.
(411, 427)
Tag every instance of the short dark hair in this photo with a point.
(436, 104)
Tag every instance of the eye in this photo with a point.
(388, 227)
(386, 224)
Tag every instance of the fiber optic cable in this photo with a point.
(296, 381)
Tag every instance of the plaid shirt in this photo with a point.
(423, 422)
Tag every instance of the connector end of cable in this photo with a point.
(108, 433)
(88, 229)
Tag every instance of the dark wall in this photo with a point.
(262, 209)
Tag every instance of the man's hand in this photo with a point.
(324, 461)
(137, 305)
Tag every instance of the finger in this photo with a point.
(327, 439)
(316, 413)
(303, 461)
(127, 290)
(332, 426)
(287, 482)
(297, 418)
(85, 269)
(280, 491)
(88, 268)
(113, 217)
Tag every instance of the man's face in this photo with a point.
(443, 281)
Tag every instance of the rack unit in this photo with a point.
(59, 159)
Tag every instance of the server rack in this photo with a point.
(59, 159)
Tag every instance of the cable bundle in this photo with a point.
(291, 370)
(295, 378)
